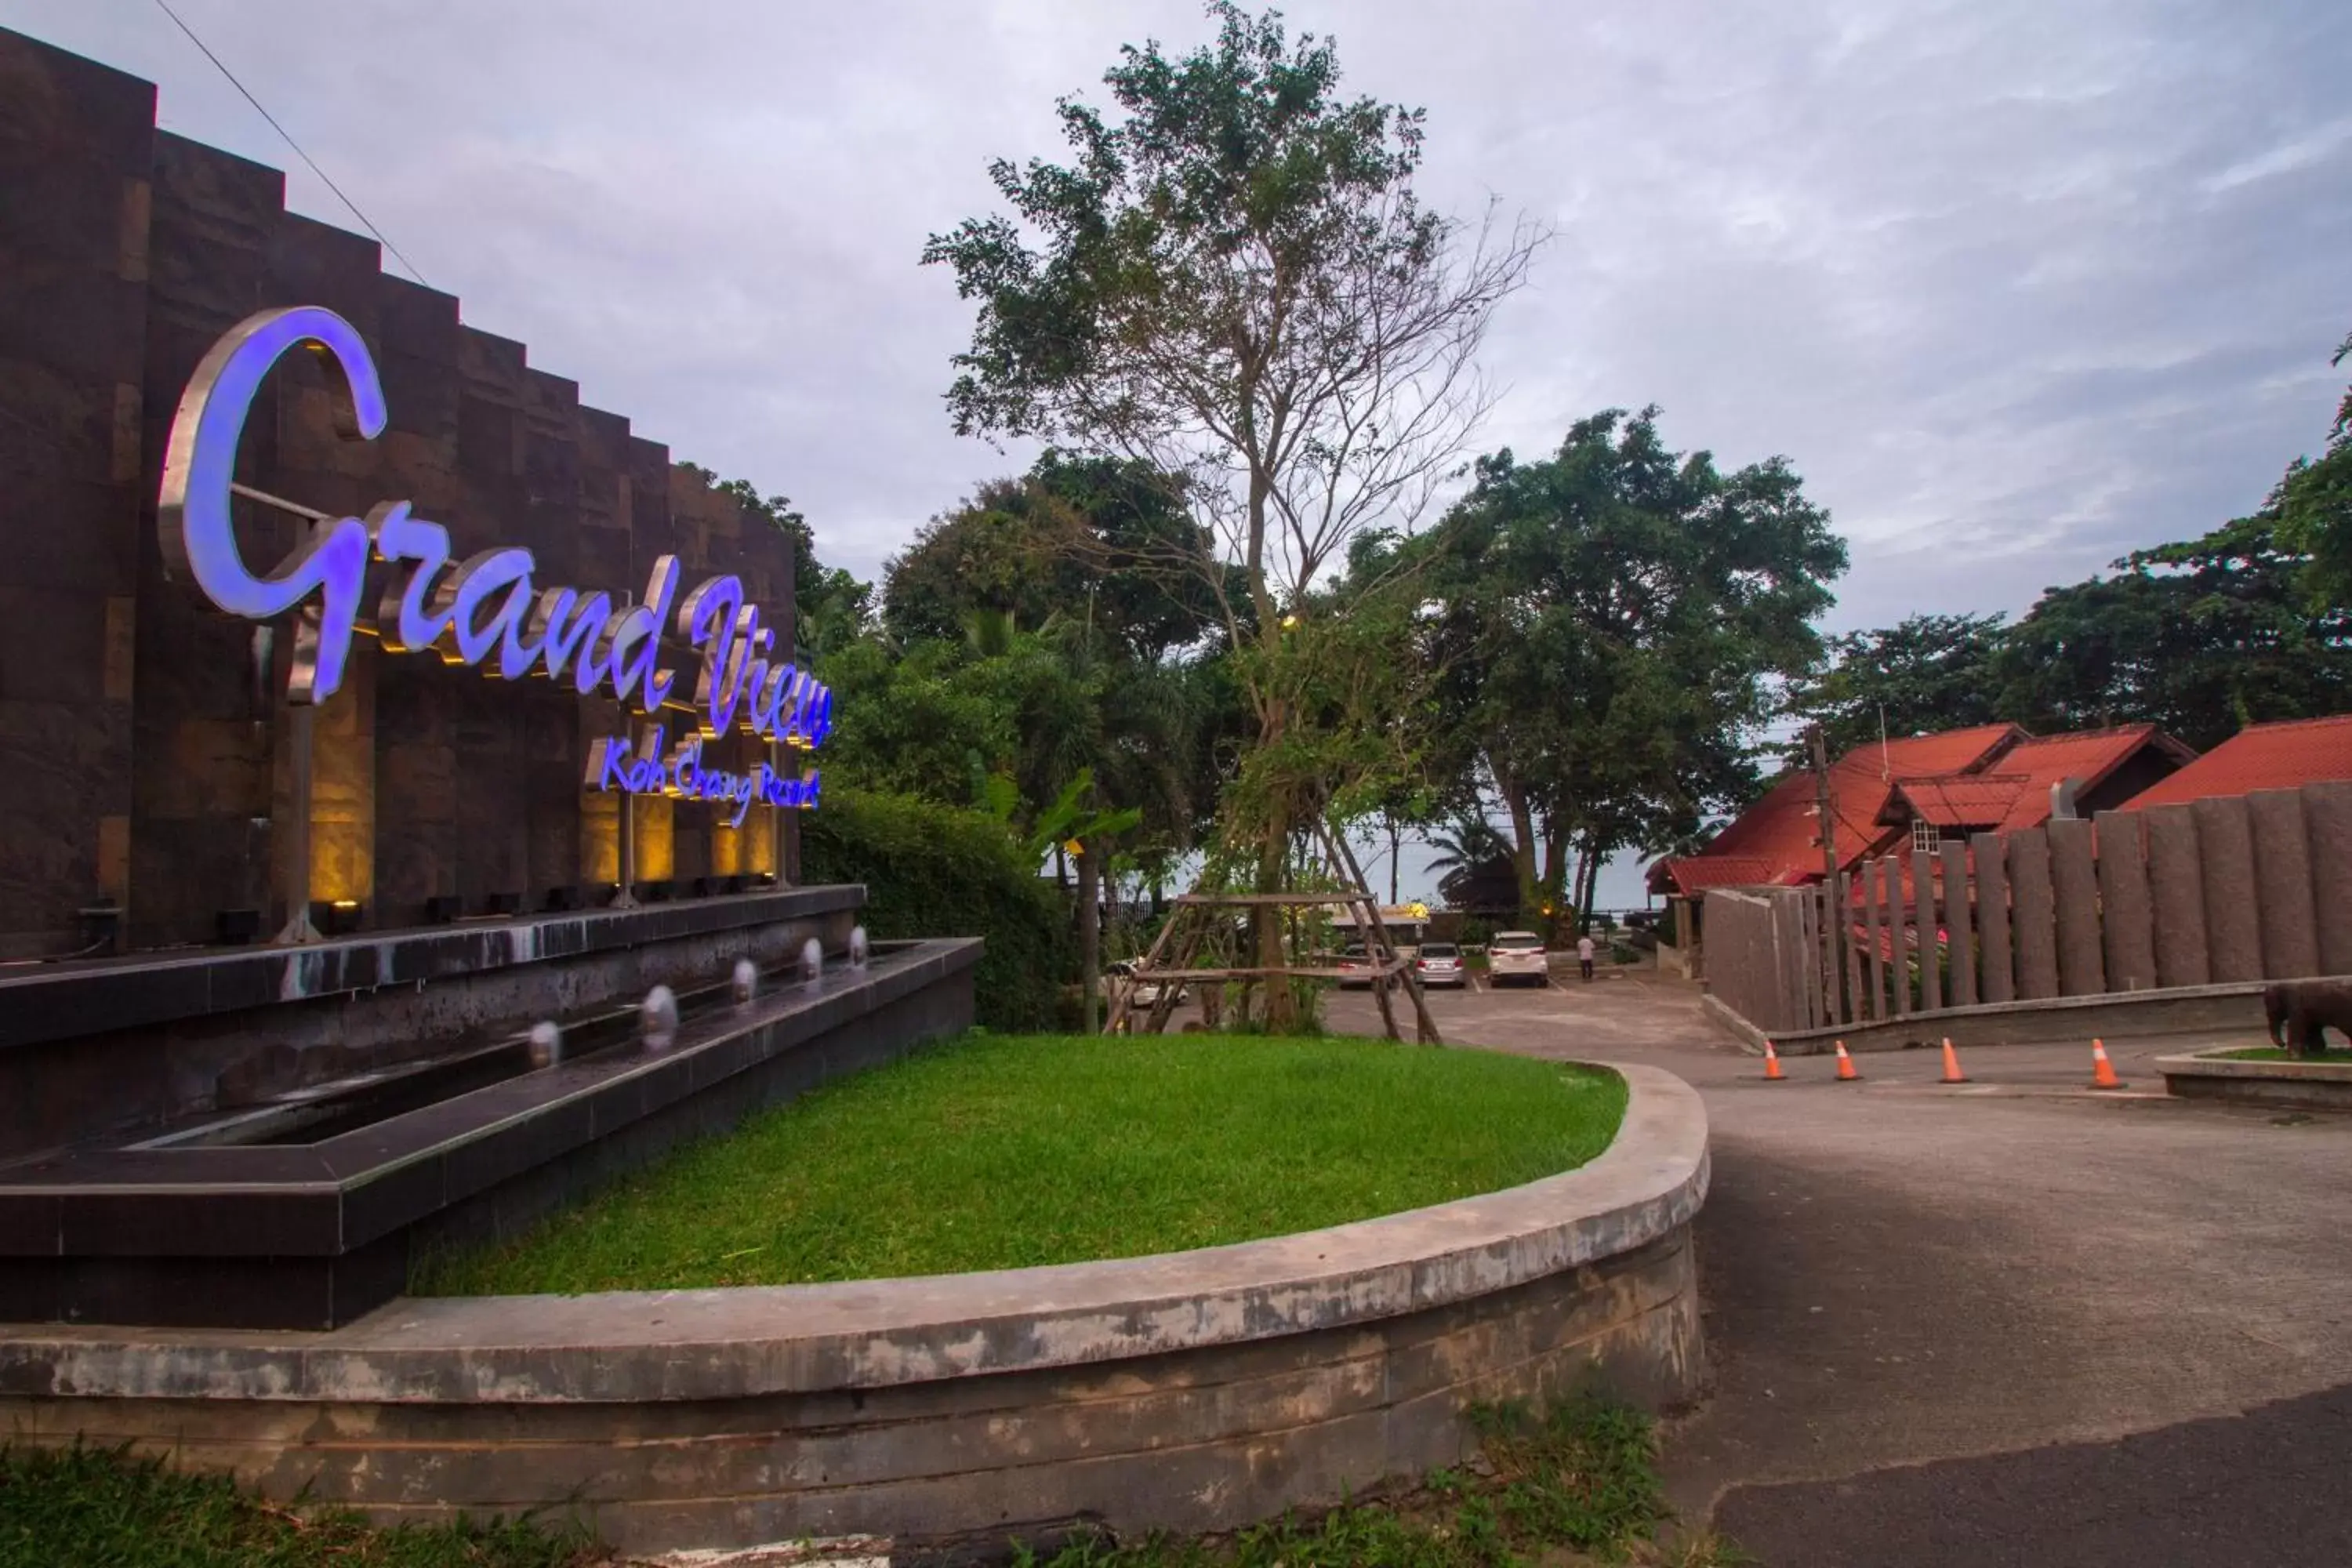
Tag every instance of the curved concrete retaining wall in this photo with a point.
(1189, 1391)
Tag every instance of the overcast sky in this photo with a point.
(2016, 286)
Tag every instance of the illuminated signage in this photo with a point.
(615, 764)
(485, 610)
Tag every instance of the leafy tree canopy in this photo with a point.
(1610, 625)
(2202, 637)
(1076, 538)
(1923, 674)
(2314, 503)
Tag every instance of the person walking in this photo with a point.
(1584, 954)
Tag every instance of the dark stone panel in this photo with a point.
(29, 1290)
(32, 1224)
(81, 548)
(488, 445)
(314, 263)
(606, 561)
(73, 315)
(66, 767)
(54, 102)
(492, 365)
(214, 215)
(420, 321)
(199, 1221)
(227, 1292)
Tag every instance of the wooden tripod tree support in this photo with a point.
(1170, 963)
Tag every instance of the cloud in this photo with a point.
(2017, 287)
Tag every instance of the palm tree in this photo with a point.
(1472, 841)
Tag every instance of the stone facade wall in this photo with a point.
(144, 746)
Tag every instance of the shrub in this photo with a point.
(936, 870)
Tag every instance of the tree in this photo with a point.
(2202, 637)
(1234, 282)
(1075, 537)
(1923, 674)
(1469, 842)
(1474, 864)
(2314, 503)
(829, 606)
(1608, 625)
(1075, 822)
(917, 721)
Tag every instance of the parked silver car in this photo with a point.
(1440, 963)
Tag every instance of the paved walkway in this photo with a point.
(2013, 1323)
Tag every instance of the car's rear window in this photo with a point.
(1437, 949)
(1518, 941)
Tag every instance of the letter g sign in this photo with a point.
(199, 538)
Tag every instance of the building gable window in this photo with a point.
(1924, 837)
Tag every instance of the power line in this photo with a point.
(287, 137)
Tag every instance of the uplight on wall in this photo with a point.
(336, 917)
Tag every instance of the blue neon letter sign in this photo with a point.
(486, 604)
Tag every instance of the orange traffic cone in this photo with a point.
(1845, 1066)
(1952, 1073)
(2103, 1071)
(1772, 1073)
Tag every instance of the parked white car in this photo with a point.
(1517, 955)
(1440, 963)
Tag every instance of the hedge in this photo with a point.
(936, 870)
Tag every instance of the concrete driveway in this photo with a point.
(2010, 1322)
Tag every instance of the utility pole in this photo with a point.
(1825, 817)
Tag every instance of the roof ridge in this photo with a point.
(2290, 724)
(2101, 733)
(1959, 778)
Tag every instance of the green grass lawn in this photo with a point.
(2272, 1054)
(1001, 1151)
(95, 1508)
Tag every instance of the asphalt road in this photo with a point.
(2012, 1322)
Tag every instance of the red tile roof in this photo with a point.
(1779, 828)
(1970, 800)
(2086, 757)
(1693, 874)
(2260, 756)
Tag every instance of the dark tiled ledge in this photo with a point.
(337, 1195)
(61, 1001)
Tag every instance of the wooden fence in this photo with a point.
(2241, 889)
